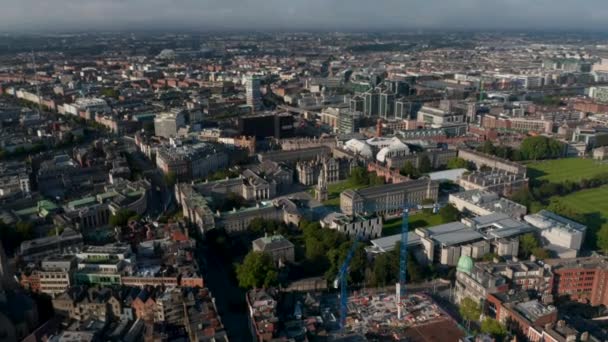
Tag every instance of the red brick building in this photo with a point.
(581, 279)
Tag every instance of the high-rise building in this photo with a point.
(386, 105)
(166, 124)
(262, 125)
(400, 88)
(254, 96)
(371, 100)
(404, 110)
(348, 121)
(356, 104)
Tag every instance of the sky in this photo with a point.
(80, 15)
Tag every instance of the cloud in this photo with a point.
(300, 14)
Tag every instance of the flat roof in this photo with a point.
(451, 175)
(82, 202)
(387, 243)
(453, 233)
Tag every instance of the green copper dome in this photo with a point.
(465, 264)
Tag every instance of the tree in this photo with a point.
(490, 257)
(487, 147)
(541, 253)
(382, 274)
(375, 180)
(527, 244)
(449, 213)
(257, 270)
(170, 178)
(231, 201)
(457, 163)
(110, 92)
(25, 230)
(602, 238)
(259, 226)
(122, 217)
(493, 327)
(415, 273)
(540, 147)
(409, 170)
(424, 165)
(523, 197)
(359, 176)
(469, 310)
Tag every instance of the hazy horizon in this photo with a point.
(351, 15)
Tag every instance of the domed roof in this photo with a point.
(360, 147)
(396, 147)
(465, 264)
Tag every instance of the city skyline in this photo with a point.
(70, 15)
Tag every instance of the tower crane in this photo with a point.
(401, 285)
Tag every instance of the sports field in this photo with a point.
(588, 201)
(572, 169)
(418, 220)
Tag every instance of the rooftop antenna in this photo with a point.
(36, 82)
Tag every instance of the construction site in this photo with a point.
(376, 315)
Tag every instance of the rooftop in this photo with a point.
(533, 310)
(545, 219)
(490, 201)
(270, 243)
(454, 233)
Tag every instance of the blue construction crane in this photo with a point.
(403, 254)
(342, 277)
(343, 274)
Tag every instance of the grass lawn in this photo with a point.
(591, 202)
(334, 190)
(572, 169)
(418, 220)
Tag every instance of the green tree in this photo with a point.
(541, 253)
(382, 273)
(490, 257)
(524, 197)
(409, 170)
(493, 327)
(487, 147)
(122, 217)
(25, 230)
(359, 176)
(457, 163)
(540, 147)
(527, 244)
(110, 92)
(425, 165)
(231, 201)
(170, 178)
(257, 270)
(415, 273)
(469, 310)
(375, 180)
(449, 213)
(602, 238)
